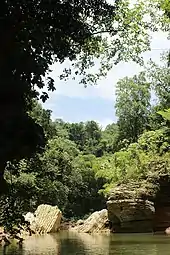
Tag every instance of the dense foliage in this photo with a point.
(133, 106)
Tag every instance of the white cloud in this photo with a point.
(106, 87)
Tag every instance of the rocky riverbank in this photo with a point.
(142, 206)
(128, 211)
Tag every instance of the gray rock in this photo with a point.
(47, 219)
(131, 215)
(96, 222)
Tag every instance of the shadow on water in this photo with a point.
(69, 243)
(85, 244)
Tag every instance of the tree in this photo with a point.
(61, 128)
(109, 140)
(86, 135)
(84, 198)
(43, 118)
(159, 77)
(132, 106)
(93, 137)
(76, 133)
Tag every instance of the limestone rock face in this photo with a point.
(142, 206)
(47, 219)
(131, 215)
(128, 212)
(97, 222)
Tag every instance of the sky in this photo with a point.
(72, 102)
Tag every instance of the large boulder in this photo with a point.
(47, 219)
(97, 222)
(131, 215)
(143, 205)
(128, 212)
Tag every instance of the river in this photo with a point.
(69, 243)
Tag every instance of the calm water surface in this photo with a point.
(66, 243)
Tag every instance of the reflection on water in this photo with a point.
(69, 243)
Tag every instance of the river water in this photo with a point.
(68, 243)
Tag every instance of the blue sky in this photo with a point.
(74, 103)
